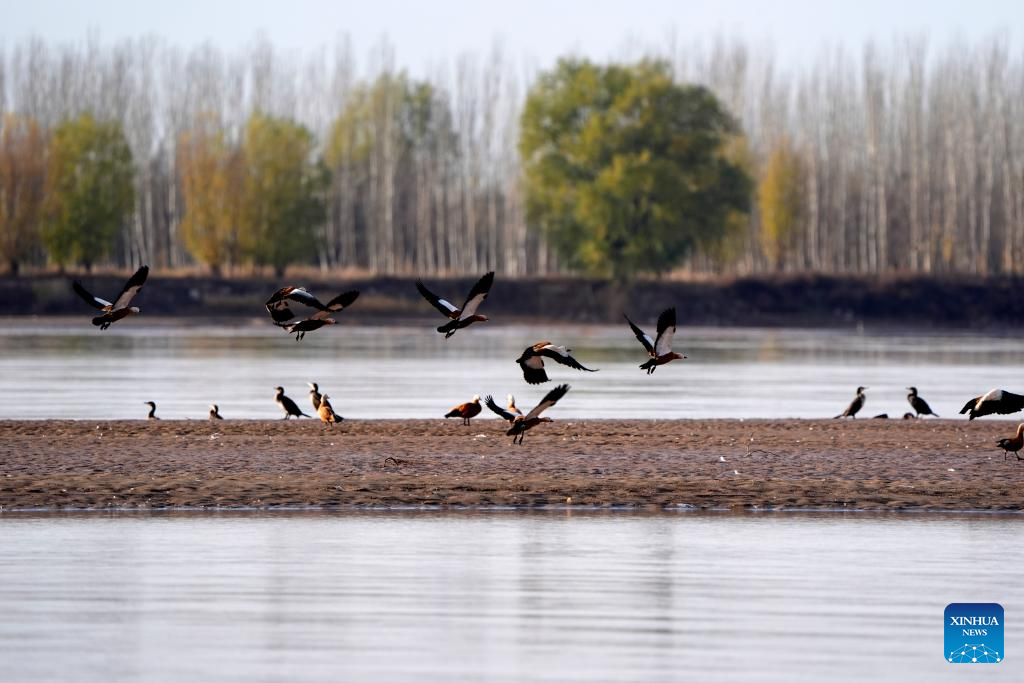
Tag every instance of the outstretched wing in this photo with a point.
(477, 295)
(549, 400)
(94, 301)
(277, 304)
(338, 303)
(559, 355)
(666, 331)
(504, 414)
(446, 307)
(641, 336)
(131, 288)
(533, 370)
(1010, 403)
(970, 404)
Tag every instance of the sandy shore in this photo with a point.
(788, 464)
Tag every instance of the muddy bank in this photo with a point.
(773, 301)
(790, 464)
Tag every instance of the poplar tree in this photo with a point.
(89, 191)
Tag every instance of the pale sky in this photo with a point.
(428, 32)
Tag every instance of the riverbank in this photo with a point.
(792, 300)
(732, 464)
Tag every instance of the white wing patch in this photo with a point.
(560, 350)
(665, 342)
(448, 305)
(471, 307)
(994, 395)
(299, 294)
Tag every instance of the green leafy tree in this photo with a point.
(284, 192)
(89, 189)
(624, 168)
(22, 179)
(779, 198)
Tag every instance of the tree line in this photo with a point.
(699, 158)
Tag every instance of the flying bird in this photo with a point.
(919, 405)
(326, 411)
(855, 405)
(152, 410)
(215, 412)
(520, 424)
(1013, 444)
(287, 405)
(532, 361)
(314, 395)
(112, 312)
(995, 401)
(459, 317)
(660, 348)
(281, 312)
(466, 411)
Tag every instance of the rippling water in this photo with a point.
(501, 596)
(78, 372)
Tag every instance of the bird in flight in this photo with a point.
(278, 305)
(532, 361)
(520, 424)
(460, 317)
(995, 401)
(112, 312)
(660, 348)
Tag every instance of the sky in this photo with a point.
(427, 32)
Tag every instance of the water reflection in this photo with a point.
(495, 596)
(407, 371)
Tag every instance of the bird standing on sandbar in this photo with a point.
(1013, 444)
(510, 414)
(460, 317)
(314, 395)
(995, 401)
(152, 410)
(466, 411)
(855, 405)
(281, 312)
(287, 405)
(524, 423)
(326, 412)
(215, 412)
(660, 348)
(112, 312)
(532, 361)
(919, 405)
(511, 405)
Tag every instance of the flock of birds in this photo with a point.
(531, 361)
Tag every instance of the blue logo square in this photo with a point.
(974, 633)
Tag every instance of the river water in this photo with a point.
(499, 596)
(76, 371)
